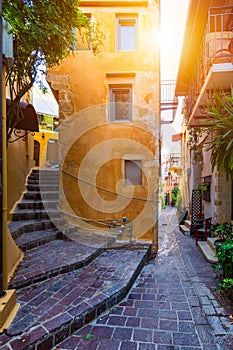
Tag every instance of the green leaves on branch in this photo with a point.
(220, 131)
(218, 136)
(42, 34)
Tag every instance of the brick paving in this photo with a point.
(56, 306)
(171, 306)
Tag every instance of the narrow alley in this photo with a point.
(172, 305)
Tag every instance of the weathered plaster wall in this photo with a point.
(20, 162)
(92, 149)
(43, 137)
(223, 198)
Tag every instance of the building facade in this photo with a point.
(109, 120)
(205, 65)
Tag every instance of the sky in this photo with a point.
(173, 20)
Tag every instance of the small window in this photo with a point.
(206, 192)
(133, 172)
(120, 103)
(126, 34)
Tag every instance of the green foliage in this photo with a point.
(194, 145)
(42, 35)
(224, 253)
(175, 194)
(219, 137)
(224, 231)
(89, 336)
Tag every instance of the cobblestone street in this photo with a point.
(170, 307)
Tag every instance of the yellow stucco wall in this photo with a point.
(19, 163)
(43, 137)
(92, 148)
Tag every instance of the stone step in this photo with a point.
(51, 259)
(30, 240)
(45, 171)
(17, 228)
(41, 179)
(94, 240)
(188, 223)
(207, 251)
(185, 230)
(54, 308)
(36, 214)
(44, 175)
(211, 240)
(55, 178)
(37, 204)
(33, 195)
(43, 187)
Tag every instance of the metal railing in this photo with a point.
(168, 99)
(216, 47)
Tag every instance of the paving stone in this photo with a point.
(199, 315)
(122, 333)
(170, 306)
(127, 345)
(186, 327)
(143, 335)
(216, 325)
(205, 334)
(149, 323)
(185, 338)
(209, 310)
(146, 346)
(184, 315)
(162, 337)
(107, 344)
(117, 320)
(133, 322)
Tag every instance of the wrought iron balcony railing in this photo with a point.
(216, 47)
(168, 101)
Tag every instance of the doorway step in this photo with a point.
(207, 248)
(185, 228)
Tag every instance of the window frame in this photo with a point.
(124, 21)
(138, 166)
(112, 103)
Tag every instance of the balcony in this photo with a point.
(168, 101)
(214, 63)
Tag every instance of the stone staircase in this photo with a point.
(36, 220)
(207, 248)
(66, 278)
